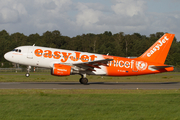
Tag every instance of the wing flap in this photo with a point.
(93, 64)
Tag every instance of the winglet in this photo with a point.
(158, 51)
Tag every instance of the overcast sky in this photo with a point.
(77, 17)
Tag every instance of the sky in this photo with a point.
(77, 17)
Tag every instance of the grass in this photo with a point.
(26, 104)
(46, 77)
(90, 104)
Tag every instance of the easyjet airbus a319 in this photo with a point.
(67, 62)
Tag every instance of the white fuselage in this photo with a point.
(46, 57)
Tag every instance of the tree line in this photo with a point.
(119, 44)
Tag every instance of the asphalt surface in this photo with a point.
(91, 85)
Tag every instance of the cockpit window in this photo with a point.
(17, 50)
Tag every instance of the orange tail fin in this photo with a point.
(158, 51)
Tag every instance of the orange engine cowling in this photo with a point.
(61, 70)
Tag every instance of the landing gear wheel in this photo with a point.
(83, 80)
(28, 70)
(27, 74)
(80, 80)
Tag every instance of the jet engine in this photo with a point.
(61, 70)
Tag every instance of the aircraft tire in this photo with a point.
(80, 80)
(84, 81)
(27, 74)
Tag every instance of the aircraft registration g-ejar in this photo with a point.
(68, 62)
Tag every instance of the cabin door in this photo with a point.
(30, 52)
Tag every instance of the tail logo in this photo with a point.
(157, 46)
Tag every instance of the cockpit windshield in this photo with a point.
(17, 50)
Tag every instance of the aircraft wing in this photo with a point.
(93, 64)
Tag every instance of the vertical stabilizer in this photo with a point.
(158, 51)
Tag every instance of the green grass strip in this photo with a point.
(89, 104)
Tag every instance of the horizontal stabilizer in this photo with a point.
(159, 67)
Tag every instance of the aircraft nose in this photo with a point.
(7, 56)
(11, 58)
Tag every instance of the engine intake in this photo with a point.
(61, 70)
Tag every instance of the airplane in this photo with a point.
(67, 62)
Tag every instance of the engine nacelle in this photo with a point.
(61, 70)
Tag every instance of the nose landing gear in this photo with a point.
(28, 70)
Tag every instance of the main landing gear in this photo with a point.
(83, 79)
(28, 70)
